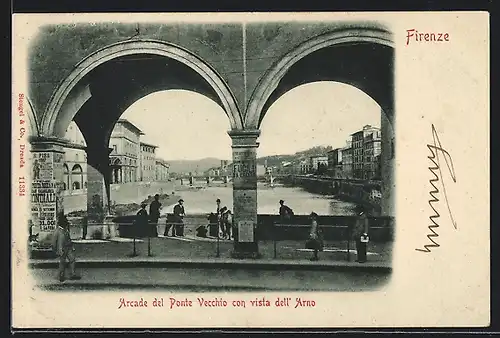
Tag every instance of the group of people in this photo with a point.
(175, 221)
(63, 245)
(315, 241)
(222, 219)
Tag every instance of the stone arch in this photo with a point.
(33, 129)
(161, 48)
(270, 81)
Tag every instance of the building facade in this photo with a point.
(130, 160)
(75, 161)
(335, 163)
(162, 170)
(305, 166)
(147, 162)
(347, 161)
(359, 157)
(316, 163)
(372, 150)
(124, 157)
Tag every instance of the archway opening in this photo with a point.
(116, 76)
(182, 149)
(109, 82)
(320, 144)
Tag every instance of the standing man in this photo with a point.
(179, 217)
(219, 217)
(141, 221)
(227, 222)
(154, 215)
(360, 235)
(64, 248)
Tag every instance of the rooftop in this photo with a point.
(148, 145)
(365, 129)
(131, 126)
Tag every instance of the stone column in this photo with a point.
(245, 193)
(387, 159)
(97, 182)
(47, 185)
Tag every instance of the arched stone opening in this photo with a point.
(363, 58)
(334, 57)
(77, 89)
(103, 85)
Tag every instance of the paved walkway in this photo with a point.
(191, 248)
(204, 275)
(191, 264)
(206, 253)
(220, 263)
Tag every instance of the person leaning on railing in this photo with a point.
(142, 221)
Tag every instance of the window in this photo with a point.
(114, 148)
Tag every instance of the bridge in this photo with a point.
(91, 73)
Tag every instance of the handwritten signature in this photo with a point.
(436, 148)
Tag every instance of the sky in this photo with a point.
(190, 126)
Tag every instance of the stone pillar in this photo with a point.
(387, 159)
(47, 185)
(245, 193)
(97, 191)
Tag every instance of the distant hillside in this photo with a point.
(276, 160)
(184, 166)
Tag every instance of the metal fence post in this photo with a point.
(149, 245)
(274, 239)
(218, 247)
(134, 253)
(348, 242)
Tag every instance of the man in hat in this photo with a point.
(154, 215)
(286, 212)
(360, 234)
(179, 217)
(63, 245)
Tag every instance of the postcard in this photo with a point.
(250, 170)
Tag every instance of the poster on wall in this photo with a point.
(245, 231)
(244, 168)
(43, 191)
(42, 166)
(43, 205)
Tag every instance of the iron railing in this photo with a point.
(135, 231)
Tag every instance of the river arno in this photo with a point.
(202, 200)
